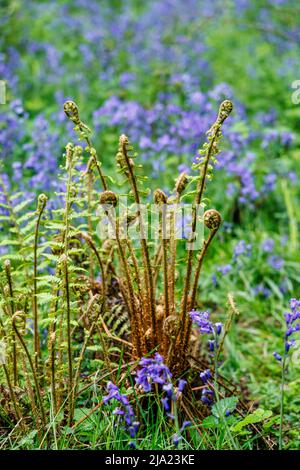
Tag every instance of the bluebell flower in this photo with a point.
(181, 385)
(202, 320)
(275, 262)
(176, 439)
(205, 376)
(153, 370)
(166, 403)
(262, 290)
(291, 327)
(224, 269)
(242, 248)
(268, 245)
(277, 356)
(124, 410)
(185, 424)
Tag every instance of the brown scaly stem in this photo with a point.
(161, 200)
(210, 150)
(52, 341)
(64, 263)
(7, 267)
(109, 198)
(180, 186)
(20, 316)
(131, 305)
(157, 264)
(212, 220)
(206, 243)
(172, 265)
(92, 245)
(142, 326)
(165, 270)
(13, 398)
(136, 267)
(84, 346)
(145, 251)
(29, 389)
(72, 112)
(42, 200)
(90, 223)
(200, 188)
(65, 273)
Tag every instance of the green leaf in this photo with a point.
(9, 242)
(211, 422)
(259, 415)
(28, 439)
(22, 205)
(94, 347)
(45, 297)
(226, 404)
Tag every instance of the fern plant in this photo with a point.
(65, 295)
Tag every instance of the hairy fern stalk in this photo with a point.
(66, 295)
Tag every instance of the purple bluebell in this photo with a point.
(205, 376)
(291, 327)
(153, 370)
(268, 245)
(124, 410)
(224, 269)
(275, 262)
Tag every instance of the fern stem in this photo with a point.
(84, 346)
(64, 261)
(13, 397)
(37, 348)
(200, 189)
(7, 266)
(165, 260)
(37, 386)
(144, 245)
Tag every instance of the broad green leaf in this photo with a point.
(259, 415)
(226, 404)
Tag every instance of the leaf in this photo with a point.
(94, 347)
(28, 439)
(9, 242)
(259, 415)
(274, 288)
(211, 422)
(48, 278)
(19, 207)
(12, 257)
(44, 297)
(226, 404)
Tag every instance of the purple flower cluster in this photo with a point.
(124, 410)
(275, 262)
(268, 245)
(207, 394)
(261, 290)
(202, 320)
(241, 248)
(153, 370)
(292, 327)
(177, 437)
